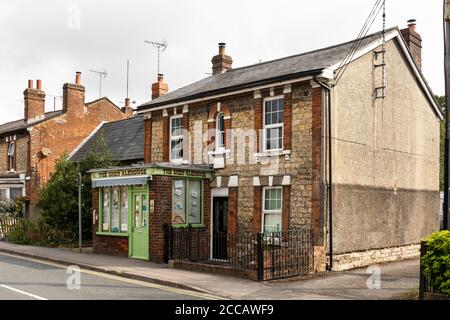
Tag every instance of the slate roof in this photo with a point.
(21, 124)
(292, 67)
(124, 138)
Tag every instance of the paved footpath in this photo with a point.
(397, 278)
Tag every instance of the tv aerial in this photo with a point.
(101, 75)
(162, 46)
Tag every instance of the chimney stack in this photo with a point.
(73, 96)
(127, 109)
(414, 42)
(221, 63)
(159, 88)
(34, 101)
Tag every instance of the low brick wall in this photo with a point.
(360, 259)
(113, 245)
(215, 269)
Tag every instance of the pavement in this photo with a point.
(397, 279)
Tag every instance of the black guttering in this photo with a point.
(150, 105)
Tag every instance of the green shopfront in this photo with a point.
(132, 206)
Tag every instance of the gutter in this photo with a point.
(330, 173)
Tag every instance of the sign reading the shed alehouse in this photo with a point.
(122, 173)
(127, 172)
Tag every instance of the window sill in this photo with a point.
(275, 153)
(219, 152)
(115, 234)
(178, 226)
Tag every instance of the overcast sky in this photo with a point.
(50, 40)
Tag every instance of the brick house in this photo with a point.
(278, 146)
(30, 147)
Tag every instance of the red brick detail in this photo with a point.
(287, 135)
(159, 88)
(161, 193)
(212, 124)
(206, 204)
(257, 209)
(232, 210)
(286, 210)
(112, 245)
(148, 140)
(186, 137)
(166, 138)
(258, 107)
(316, 160)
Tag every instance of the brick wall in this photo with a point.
(246, 114)
(21, 153)
(161, 193)
(63, 134)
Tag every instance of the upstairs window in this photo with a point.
(273, 123)
(220, 132)
(11, 156)
(176, 138)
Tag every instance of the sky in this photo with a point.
(52, 39)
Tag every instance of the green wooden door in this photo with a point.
(139, 223)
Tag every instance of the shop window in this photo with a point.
(272, 209)
(273, 124)
(176, 138)
(114, 216)
(187, 202)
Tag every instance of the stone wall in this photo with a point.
(366, 258)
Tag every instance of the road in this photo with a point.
(24, 279)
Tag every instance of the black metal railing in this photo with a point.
(272, 255)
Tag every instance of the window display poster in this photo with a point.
(178, 200)
(194, 202)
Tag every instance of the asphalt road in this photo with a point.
(24, 279)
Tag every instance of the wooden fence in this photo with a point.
(6, 225)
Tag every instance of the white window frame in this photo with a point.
(11, 156)
(171, 138)
(264, 211)
(272, 126)
(220, 148)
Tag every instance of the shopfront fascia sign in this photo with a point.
(152, 172)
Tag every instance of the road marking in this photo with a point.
(201, 295)
(23, 292)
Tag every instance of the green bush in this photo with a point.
(436, 261)
(27, 232)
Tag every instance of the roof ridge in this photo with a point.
(312, 51)
(126, 119)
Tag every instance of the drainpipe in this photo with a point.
(330, 173)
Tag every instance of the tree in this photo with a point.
(441, 101)
(58, 199)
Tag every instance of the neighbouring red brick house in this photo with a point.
(256, 148)
(30, 147)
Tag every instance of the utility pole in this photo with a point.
(79, 213)
(447, 111)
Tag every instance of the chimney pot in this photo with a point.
(127, 102)
(30, 84)
(39, 84)
(160, 77)
(412, 24)
(222, 48)
(78, 77)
